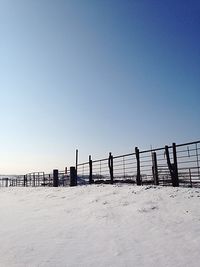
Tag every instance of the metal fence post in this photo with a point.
(73, 176)
(110, 164)
(55, 178)
(138, 178)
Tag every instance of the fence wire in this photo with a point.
(125, 168)
(147, 167)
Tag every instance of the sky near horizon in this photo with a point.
(99, 76)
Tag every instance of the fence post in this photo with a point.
(155, 169)
(110, 164)
(55, 178)
(172, 166)
(33, 179)
(38, 179)
(25, 180)
(138, 178)
(73, 176)
(90, 169)
(190, 177)
(176, 180)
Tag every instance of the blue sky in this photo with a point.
(99, 76)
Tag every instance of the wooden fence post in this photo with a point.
(55, 178)
(110, 164)
(25, 180)
(138, 178)
(90, 170)
(172, 166)
(155, 169)
(176, 180)
(73, 176)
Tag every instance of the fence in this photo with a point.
(37, 179)
(170, 165)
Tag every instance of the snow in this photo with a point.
(100, 225)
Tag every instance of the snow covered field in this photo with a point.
(100, 225)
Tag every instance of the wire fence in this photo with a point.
(175, 165)
(35, 179)
(170, 165)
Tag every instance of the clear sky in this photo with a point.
(99, 76)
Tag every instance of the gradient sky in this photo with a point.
(99, 76)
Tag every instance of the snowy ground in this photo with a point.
(105, 225)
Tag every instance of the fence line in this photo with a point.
(174, 165)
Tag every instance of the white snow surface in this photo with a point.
(100, 225)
